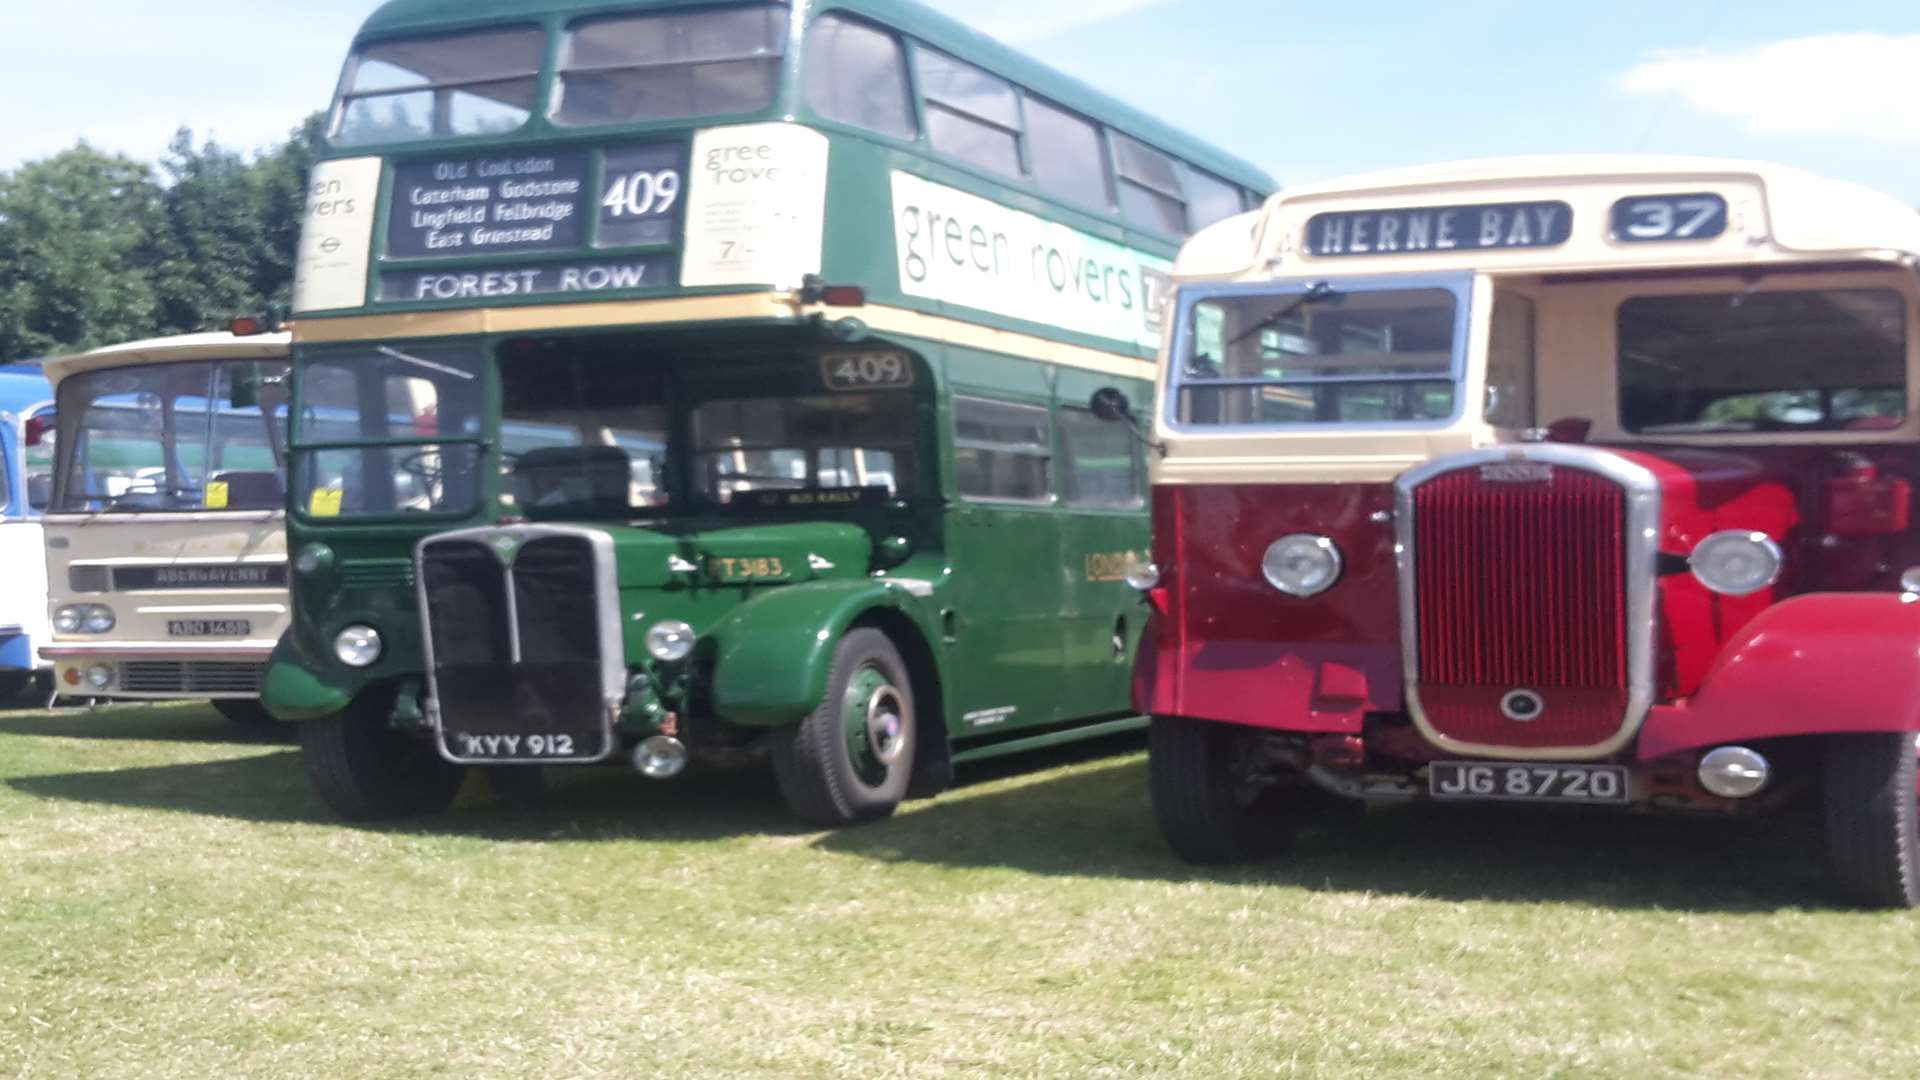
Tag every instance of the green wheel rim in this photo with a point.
(873, 715)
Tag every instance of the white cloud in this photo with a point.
(1021, 21)
(1859, 85)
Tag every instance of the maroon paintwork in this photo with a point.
(1831, 647)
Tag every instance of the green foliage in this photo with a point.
(98, 248)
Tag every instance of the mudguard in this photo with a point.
(774, 651)
(1818, 664)
(291, 691)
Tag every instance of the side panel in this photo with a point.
(1230, 647)
(1815, 664)
(23, 595)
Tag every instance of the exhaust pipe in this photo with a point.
(660, 757)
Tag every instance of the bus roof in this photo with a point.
(1778, 214)
(176, 349)
(907, 16)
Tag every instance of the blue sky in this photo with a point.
(1310, 90)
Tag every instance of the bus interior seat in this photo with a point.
(253, 490)
(595, 477)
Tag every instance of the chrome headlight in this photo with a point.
(97, 620)
(1302, 565)
(358, 646)
(670, 641)
(100, 677)
(1737, 562)
(67, 620)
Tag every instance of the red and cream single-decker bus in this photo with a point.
(1559, 480)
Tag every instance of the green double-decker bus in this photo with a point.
(679, 381)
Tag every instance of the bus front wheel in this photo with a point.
(364, 770)
(850, 759)
(1872, 802)
(1214, 805)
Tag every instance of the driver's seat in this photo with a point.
(591, 478)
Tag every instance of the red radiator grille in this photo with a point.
(1521, 585)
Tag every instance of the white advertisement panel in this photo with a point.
(336, 241)
(963, 249)
(756, 205)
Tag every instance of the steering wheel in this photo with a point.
(425, 466)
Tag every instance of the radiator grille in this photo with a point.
(1522, 585)
(516, 652)
(191, 677)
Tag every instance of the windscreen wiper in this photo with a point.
(1317, 293)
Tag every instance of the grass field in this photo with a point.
(173, 902)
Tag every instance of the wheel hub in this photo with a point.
(886, 730)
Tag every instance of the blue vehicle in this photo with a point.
(26, 487)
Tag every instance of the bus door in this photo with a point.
(1004, 544)
(1103, 531)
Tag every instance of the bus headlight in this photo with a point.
(84, 619)
(1302, 565)
(670, 641)
(1737, 562)
(358, 646)
(100, 677)
(313, 559)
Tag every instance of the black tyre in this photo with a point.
(25, 689)
(247, 714)
(364, 770)
(1213, 808)
(850, 760)
(1872, 803)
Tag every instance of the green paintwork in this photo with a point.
(985, 751)
(293, 687)
(1019, 633)
(773, 654)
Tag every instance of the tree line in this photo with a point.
(98, 248)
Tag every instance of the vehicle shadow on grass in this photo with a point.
(1098, 821)
(578, 805)
(183, 723)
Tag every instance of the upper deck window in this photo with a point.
(1068, 159)
(971, 115)
(439, 87)
(1210, 199)
(698, 62)
(1320, 357)
(857, 74)
(1150, 193)
(1819, 360)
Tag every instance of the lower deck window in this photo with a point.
(1816, 360)
(847, 443)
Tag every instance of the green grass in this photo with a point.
(173, 902)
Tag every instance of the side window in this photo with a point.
(1002, 451)
(971, 115)
(1510, 390)
(1102, 469)
(698, 62)
(1150, 194)
(857, 74)
(1211, 199)
(1067, 157)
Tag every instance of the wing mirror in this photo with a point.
(1111, 404)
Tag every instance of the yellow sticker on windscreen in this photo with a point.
(325, 502)
(218, 494)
